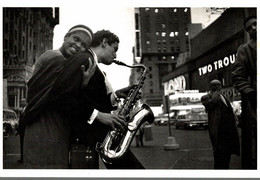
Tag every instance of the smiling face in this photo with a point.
(75, 42)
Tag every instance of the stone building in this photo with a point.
(27, 33)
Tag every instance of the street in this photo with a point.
(194, 151)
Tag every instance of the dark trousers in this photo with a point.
(249, 147)
(221, 159)
(129, 161)
(86, 157)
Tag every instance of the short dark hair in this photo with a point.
(100, 35)
(247, 19)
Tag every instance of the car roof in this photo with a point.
(9, 110)
(188, 107)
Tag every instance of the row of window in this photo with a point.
(22, 42)
(160, 58)
(161, 10)
(164, 49)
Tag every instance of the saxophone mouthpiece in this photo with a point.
(119, 62)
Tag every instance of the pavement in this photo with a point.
(153, 154)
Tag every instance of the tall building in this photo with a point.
(161, 35)
(27, 33)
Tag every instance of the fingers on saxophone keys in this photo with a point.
(121, 122)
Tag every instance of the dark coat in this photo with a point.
(222, 124)
(244, 78)
(94, 96)
(52, 93)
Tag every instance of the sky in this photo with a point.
(119, 20)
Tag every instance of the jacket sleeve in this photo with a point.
(68, 84)
(239, 72)
(210, 101)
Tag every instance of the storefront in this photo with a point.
(212, 54)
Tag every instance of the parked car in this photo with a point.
(10, 122)
(190, 116)
(163, 119)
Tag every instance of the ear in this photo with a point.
(104, 42)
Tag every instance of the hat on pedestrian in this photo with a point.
(215, 82)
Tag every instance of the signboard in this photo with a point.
(218, 64)
(176, 84)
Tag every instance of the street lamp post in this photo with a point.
(171, 142)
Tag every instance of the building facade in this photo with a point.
(212, 53)
(27, 33)
(161, 35)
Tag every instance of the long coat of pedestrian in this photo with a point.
(222, 124)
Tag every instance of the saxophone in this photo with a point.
(117, 141)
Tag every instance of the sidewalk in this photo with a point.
(194, 152)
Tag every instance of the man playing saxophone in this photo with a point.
(91, 113)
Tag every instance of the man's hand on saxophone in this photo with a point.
(112, 120)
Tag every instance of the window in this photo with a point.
(15, 35)
(177, 42)
(186, 10)
(164, 41)
(156, 10)
(187, 33)
(163, 34)
(172, 34)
